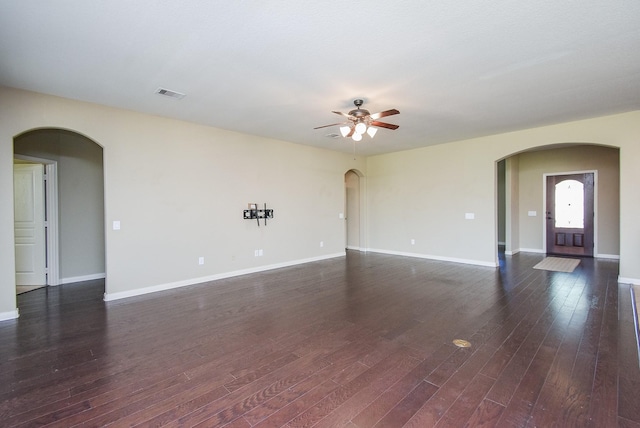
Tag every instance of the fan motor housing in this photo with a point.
(358, 113)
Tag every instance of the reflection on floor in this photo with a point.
(24, 288)
(363, 340)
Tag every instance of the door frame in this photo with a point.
(51, 215)
(362, 219)
(595, 205)
(351, 221)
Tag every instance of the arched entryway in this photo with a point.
(354, 211)
(521, 195)
(76, 252)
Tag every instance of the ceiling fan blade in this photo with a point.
(353, 130)
(384, 114)
(333, 124)
(341, 113)
(384, 125)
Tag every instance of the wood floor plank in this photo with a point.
(286, 412)
(486, 415)
(407, 407)
(604, 398)
(521, 403)
(359, 341)
(464, 407)
(629, 374)
(391, 397)
(361, 383)
(533, 336)
(244, 399)
(283, 407)
(626, 423)
(439, 404)
(352, 406)
(165, 411)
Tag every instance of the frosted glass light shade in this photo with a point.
(344, 130)
(372, 131)
(361, 128)
(356, 136)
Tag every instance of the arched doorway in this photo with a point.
(353, 210)
(524, 193)
(78, 253)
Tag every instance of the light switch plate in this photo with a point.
(469, 216)
(116, 225)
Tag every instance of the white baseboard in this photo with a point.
(607, 256)
(91, 277)
(438, 258)
(633, 281)
(540, 251)
(11, 315)
(532, 250)
(162, 287)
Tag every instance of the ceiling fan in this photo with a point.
(360, 121)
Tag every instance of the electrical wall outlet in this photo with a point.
(321, 244)
(200, 260)
(413, 242)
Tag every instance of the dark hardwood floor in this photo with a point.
(359, 341)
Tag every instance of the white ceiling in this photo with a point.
(454, 69)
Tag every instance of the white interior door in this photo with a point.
(28, 185)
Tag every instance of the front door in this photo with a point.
(29, 216)
(569, 214)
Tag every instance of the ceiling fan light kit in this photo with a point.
(360, 121)
(361, 128)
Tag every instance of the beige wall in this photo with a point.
(425, 193)
(603, 160)
(179, 190)
(512, 205)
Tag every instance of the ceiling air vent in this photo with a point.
(170, 93)
(332, 135)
